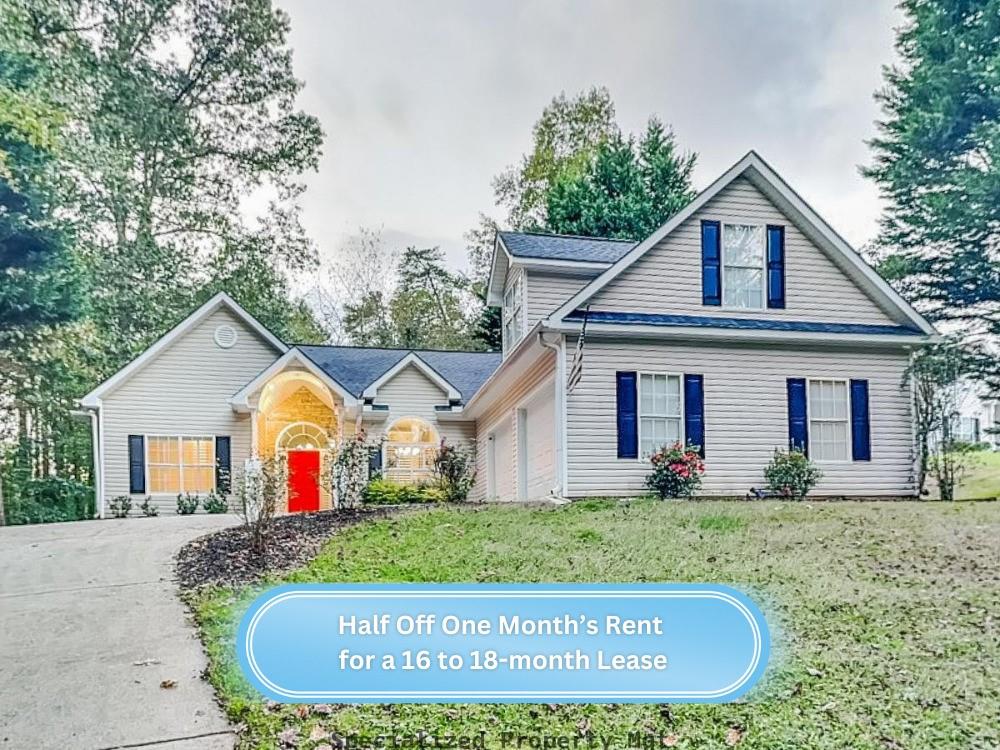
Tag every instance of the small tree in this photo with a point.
(261, 489)
(351, 469)
(934, 375)
(791, 474)
(455, 471)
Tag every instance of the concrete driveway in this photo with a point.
(80, 605)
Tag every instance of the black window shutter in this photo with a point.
(223, 463)
(694, 412)
(798, 415)
(861, 439)
(375, 463)
(136, 464)
(628, 426)
(711, 263)
(775, 266)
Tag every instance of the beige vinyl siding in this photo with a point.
(745, 415)
(184, 391)
(410, 393)
(667, 279)
(502, 414)
(547, 291)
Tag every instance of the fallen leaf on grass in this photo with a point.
(812, 672)
(166, 684)
(734, 736)
(670, 740)
(302, 711)
(828, 706)
(583, 727)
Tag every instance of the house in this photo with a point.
(742, 325)
(978, 418)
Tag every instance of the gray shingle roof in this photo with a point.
(565, 247)
(746, 324)
(356, 368)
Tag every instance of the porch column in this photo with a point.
(253, 432)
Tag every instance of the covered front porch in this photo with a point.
(298, 412)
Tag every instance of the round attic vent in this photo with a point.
(225, 336)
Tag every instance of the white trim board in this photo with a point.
(789, 202)
(92, 399)
(413, 359)
(240, 402)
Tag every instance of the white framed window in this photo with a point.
(411, 445)
(180, 463)
(829, 420)
(743, 256)
(513, 312)
(661, 409)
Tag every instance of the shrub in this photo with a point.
(261, 488)
(676, 471)
(791, 474)
(351, 470)
(215, 503)
(148, 509)
(48, 500)
(455, 471)
(120, 506)
(387, 492)
(187, 504)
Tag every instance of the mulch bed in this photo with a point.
(224, 558)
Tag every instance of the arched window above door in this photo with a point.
(301, 436)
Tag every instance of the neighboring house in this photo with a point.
(744, 324)
(978, 417)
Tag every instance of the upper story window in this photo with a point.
(743, 248)
(513, 312)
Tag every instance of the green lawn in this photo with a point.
(983, 478)
(885, 617)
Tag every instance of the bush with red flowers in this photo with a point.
(676, 471)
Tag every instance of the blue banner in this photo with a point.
(503, 643)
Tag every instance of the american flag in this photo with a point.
(576, 369)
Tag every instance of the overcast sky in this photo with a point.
(423, 102)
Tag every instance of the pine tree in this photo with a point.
(937, 162)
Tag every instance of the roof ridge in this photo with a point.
(567, 236)
(394, 349)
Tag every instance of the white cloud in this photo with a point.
(423, 103)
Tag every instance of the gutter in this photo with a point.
(96, 416)
(560, 416)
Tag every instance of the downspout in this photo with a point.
(560, 416)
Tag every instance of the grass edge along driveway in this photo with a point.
(882, 618)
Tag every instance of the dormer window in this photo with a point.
(513, 311)
(743, 266)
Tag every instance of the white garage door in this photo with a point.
(500, 461)
(538, 441)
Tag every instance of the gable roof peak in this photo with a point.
(790, 203)
(215, 302)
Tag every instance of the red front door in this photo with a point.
(303, 481)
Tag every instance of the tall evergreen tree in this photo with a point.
(582, 176)
(39, 280)
(937, 162)
(626, 191)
